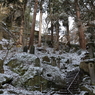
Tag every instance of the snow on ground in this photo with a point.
(17, 91)
(74, 59)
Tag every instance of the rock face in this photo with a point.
(32, 76)
(36, 78)
(20, 64)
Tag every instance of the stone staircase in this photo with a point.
(72, 88)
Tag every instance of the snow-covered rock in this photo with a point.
(53, 74)
(4, 79)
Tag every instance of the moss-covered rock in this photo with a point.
(21, 63)
(32, 76)
(36, 83)
(17, 66)
(32, 80)
(46, 58)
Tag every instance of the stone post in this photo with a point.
(58, 62)
(53, 61)
(1, 66)
(92, 72)
(32, 50)
(90, 48)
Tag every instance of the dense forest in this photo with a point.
(47, 47)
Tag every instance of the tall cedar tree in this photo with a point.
(80, 27)
(33, 25)
(22, 22)
(40, 24)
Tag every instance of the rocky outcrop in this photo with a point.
(53, 74)
(36, 78)
(20, 63)
(32, 76)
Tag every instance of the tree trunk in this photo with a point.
(22, 23)
(52, 26)
(21, 32)
(52, 33)
(57, 36)
(80, 27)
(40, 25)
(68, 37)
(33, 25)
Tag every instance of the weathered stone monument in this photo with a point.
(88, 66)
(90, 48)
(91, 67)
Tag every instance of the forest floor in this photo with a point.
(73, 60)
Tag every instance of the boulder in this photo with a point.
(30, 80)
(20, 63)
(53, 74)
(17, 66)
(35, 78)
(46, 58)
(4, 79)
